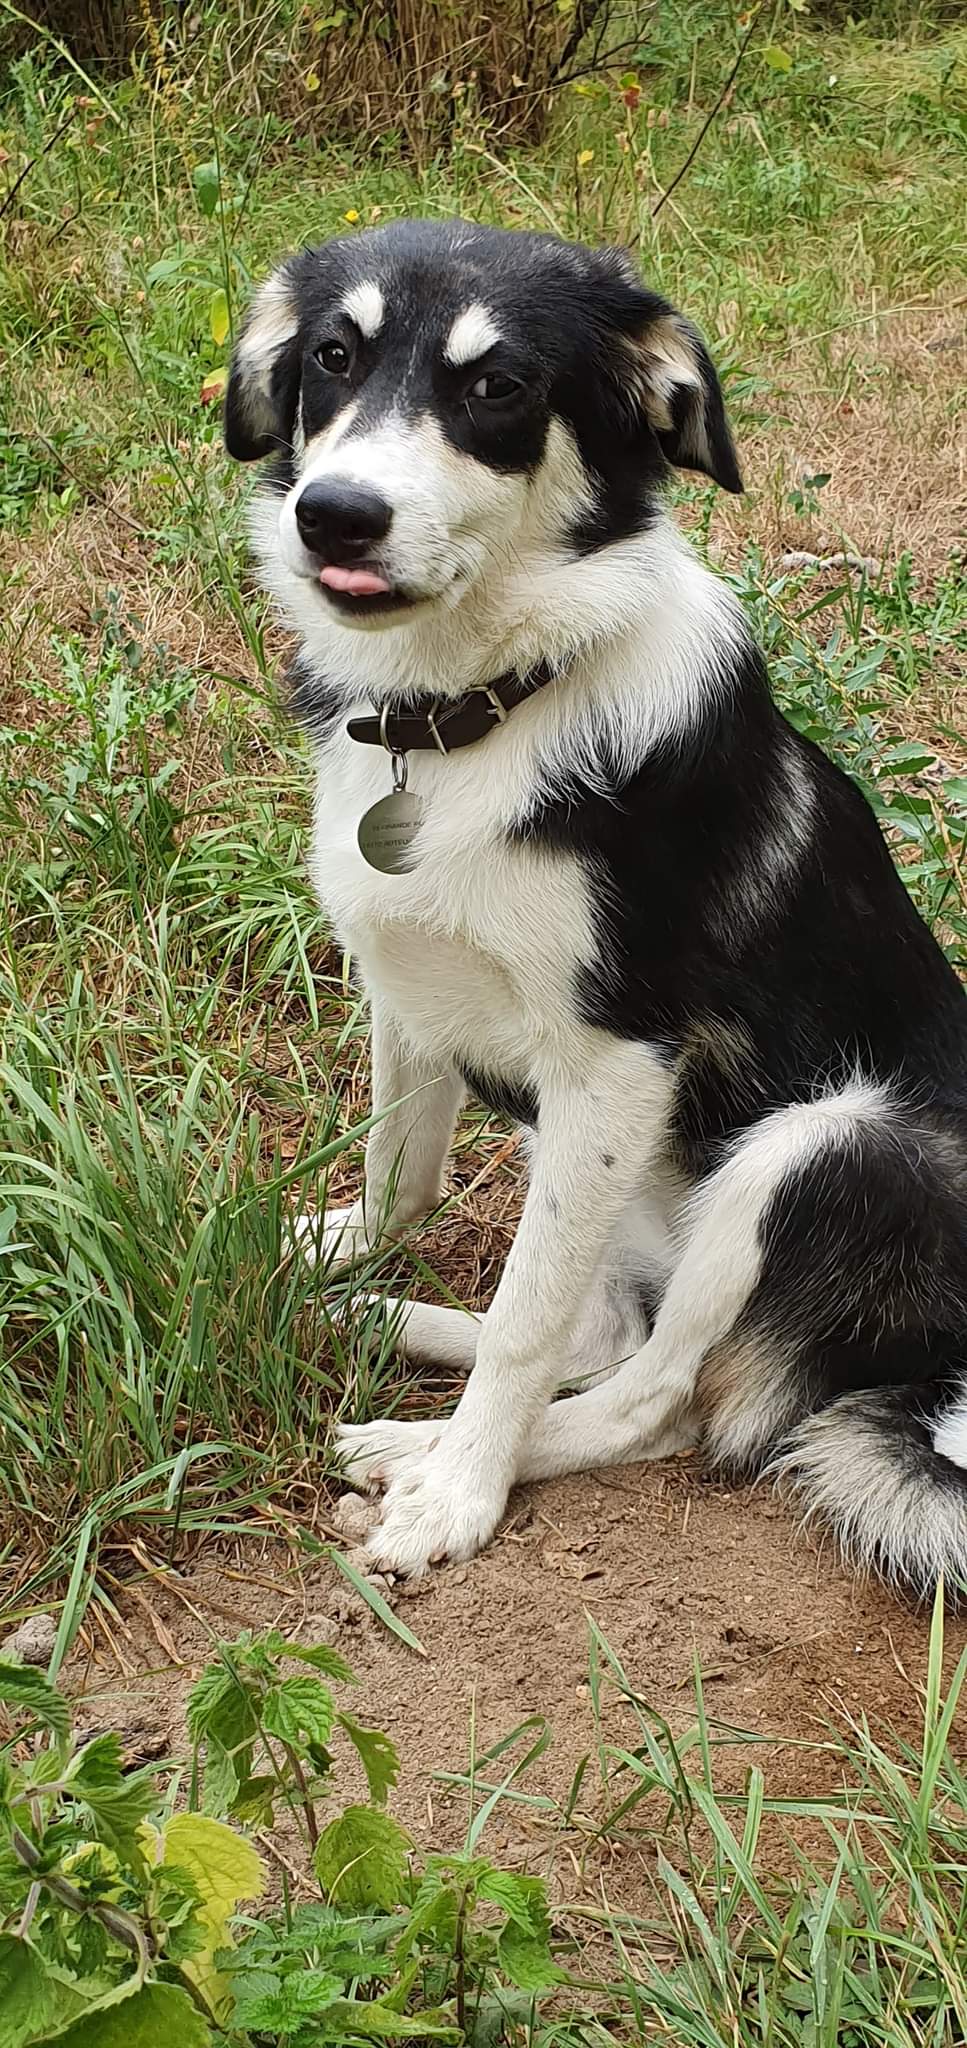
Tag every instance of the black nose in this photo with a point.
(340, 521)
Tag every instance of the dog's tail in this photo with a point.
(887, 1469)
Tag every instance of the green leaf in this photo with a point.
(378, 2022)
(299, 1710)
(254, 1802)
(360, 1859)
(288, 2004)
(117, 1802)
(524, 1899)
(205, 181)
(157, 2016)
(321, 1657)
(222, 1713)
(27, 1691)
(527, 1960)
(909, 756)
(377, 1754)
(776, 57)
(523, 1947)
(218, 318)
(31, 2000)
(224, 1869)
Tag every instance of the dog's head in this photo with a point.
(438, 397)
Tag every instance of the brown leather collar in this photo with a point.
(444, 723)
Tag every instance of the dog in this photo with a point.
(587, 870)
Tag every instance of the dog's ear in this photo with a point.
(665, 372)
(263, 382)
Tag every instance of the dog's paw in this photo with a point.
(438, 1508)
(376, 1454)
(338, 1238)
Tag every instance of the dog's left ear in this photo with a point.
(665, 371)
(263, 382)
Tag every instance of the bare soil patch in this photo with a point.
(670, 1565)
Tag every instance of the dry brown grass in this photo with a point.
(880, 406)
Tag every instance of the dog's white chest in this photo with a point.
(475, 949)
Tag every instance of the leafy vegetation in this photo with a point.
(126, 1919)
(120, 1916)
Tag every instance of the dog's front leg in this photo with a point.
(417, 1104)
(597, 1141)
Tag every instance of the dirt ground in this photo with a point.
(665, 1561)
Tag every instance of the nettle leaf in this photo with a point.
(216, 1699)
(224, 1870)
(527, 1960)
(299, 1710)
(222, 1713)
(254, 1802)
(524, 1946)
(29, 1694)
(377, 1754)
(524, 1899)
(31, 2000)
(434, 1911)
(378, 2022)
(117, 1801)
(360, 1858)
(157, 2016)
(289, 2003)
(319, 1655)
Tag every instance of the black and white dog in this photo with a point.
(614, 894)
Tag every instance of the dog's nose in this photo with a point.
(340, 521)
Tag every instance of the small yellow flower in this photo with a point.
(585, 156)
(352, 216)
(311, 81)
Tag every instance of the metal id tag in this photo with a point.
(387, 830)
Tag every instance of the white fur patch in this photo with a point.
(473, 332)
(366, 308)
(950, 1435)
(273, 321)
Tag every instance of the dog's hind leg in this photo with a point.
(713, 1360)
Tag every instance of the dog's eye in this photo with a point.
(495, 389)
(334, 358)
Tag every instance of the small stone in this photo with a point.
(318, 1628)
(382, 1582)
(33, 1642)
(354, 1516)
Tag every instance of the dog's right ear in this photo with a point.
(263, 383)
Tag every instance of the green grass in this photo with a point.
(178, 1035)
(858, 1944)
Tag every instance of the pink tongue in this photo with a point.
(355, 582)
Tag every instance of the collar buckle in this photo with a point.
(496, 706)
(438, 740)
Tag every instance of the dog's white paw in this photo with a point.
(338, 1238)
(439, 1506)
(376, 1454)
